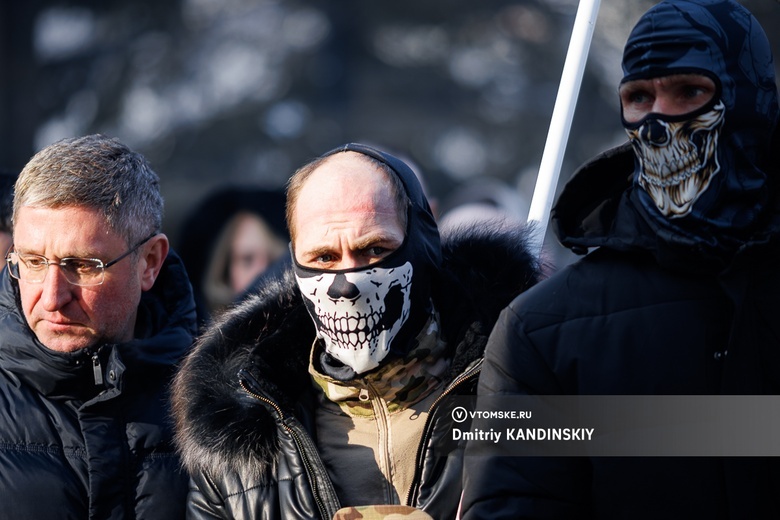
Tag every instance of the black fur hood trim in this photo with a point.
(221, 428)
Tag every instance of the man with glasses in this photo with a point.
(94, 313)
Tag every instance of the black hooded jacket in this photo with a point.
(679, 295)
(643, 314)
(244, 400)
(72, 449)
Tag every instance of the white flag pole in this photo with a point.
(560, 123)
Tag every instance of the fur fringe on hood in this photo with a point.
(220, 428)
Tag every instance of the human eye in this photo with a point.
(636, 99)
(34, 262)
(635, 95)
(243, 261)
(697, 92)
(691, 91)
(81, 266)
(324, 260)
(377, 251)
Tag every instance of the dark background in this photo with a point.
(218, 92)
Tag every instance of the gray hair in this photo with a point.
(96, 172)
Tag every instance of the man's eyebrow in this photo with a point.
(28, 251)
(371, 241)
(633, 84)
(361, 244)
(317, 252)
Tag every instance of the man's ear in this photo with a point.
(153, 255)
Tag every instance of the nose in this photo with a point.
(56, 290)
(343, 288)
(655, 132)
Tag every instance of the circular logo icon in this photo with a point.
(459, 414)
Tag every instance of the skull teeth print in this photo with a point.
(672, 173)
(678, 159)
(350, 330)
(358, 314)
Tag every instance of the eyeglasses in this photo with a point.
(78, 271)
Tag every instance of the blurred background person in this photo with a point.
(7, 180)
(482, 201)
(229, 240)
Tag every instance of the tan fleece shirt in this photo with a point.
(369, 429)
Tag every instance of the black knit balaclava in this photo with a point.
(369, 314)
(704, 175)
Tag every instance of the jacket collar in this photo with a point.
(164, 331)
(598, 208)
(401, 382)
(269, 336)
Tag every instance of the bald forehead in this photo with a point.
(348, 180)
(350, 165)
(354, 176)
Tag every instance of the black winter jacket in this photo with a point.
(244, 400)
(643, 314)
(72, 449)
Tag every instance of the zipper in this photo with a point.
(97, 369)
(304, 445)
(270, 403)
(467, 375)
(383, 424)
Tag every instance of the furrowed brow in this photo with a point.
(372, 241)
(317, 252)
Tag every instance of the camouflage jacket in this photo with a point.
(244, 400)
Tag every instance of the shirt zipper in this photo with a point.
(383, 425)
(97, 369)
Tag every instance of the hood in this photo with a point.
(586, 212)
(221, 428)
(200, 233)
(599, 207)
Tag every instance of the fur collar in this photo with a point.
(220, 428)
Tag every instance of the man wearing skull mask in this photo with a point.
(281, 419)
(680, 295)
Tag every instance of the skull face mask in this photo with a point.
(369, 314)
(704, 175)
(359, 313)
(677, 158)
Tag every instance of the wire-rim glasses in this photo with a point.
(84, 272)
